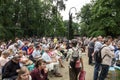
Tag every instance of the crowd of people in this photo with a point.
(109, 55)
(36, 58)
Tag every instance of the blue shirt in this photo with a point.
(98, 46)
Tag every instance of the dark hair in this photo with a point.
(39, 62)
(106, 39)
(37, 46)
(74, 42)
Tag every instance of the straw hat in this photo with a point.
(29, 62)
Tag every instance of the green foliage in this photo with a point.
(100, 17)
(30, 17)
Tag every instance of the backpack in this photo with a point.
(74, 58)
(98, 56)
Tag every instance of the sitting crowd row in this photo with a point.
(27, 60)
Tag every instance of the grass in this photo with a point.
(117, 74)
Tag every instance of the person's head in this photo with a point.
(51, 48)
(23, 73)
(16, 58)
(99, 38)
(37, 47)
(15, 45)
(58, 48)
(16, 38)
(40, 64)
(94, 39)
(21, 53)
(5, 53)
(74, 42)
(107, 41)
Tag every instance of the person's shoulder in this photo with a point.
(106, 48)
(34, 71)
(98, 42)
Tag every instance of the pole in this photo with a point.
(70, 28)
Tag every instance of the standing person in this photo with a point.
(76, 66)
(97, 47)
(107, 56)
(91, 50)
(23, 74)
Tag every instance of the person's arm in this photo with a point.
(110, 53)
(81, 60)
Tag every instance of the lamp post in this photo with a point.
(70, 28)
(56, 10)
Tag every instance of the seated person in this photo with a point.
(40, 71)
(4, 59)
(36, 54)
(9, 70)
(23, 74)
(59, 56)
(24, 61)
(30, 49)
(52, 64)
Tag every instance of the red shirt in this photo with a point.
(38, 75)
(30, 50)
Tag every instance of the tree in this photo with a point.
(102, 19)
(30, 17)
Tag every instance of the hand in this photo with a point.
(46, 70)
(82, 69)
(92, 54)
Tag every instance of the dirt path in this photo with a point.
(65, 72)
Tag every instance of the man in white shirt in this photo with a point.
(36, 53)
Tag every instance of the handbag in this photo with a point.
(82, 75)
(77, 64)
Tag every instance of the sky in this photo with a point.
(73, 3)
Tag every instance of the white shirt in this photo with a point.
(3, 61)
